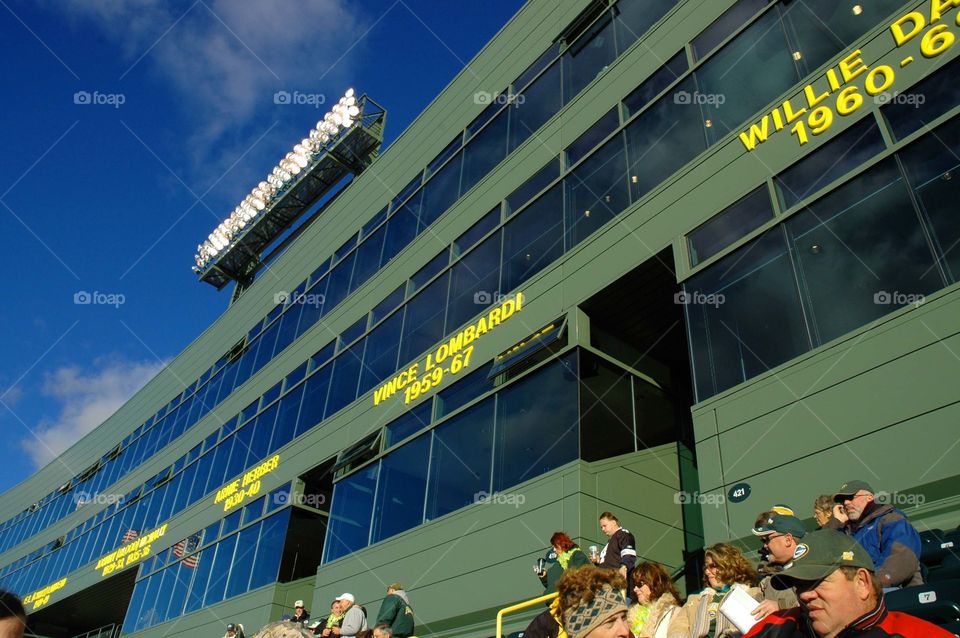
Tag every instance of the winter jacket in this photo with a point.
(879, 623)
(785, 598)
(658, 616)
(693, 619)
(354, 621)
(892, 542)
(571, 559)
(546, 624)
(395, 611)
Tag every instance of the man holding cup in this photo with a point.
(620, 552)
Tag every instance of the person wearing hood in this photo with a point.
(884, 531)
(396, 612)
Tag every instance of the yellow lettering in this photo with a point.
(443, 352)
(482, 327)
(756, 135)
(870, 84)
(790, 114)
(812, 99)
(852, 66)
(900, 36)
(937, 8)
(519, 301)
(777, 118)
(456, 343)
(832, 80)
(469, 334)
(494, 317)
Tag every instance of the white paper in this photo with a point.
(738, 607)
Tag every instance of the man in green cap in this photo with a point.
(780, 531)
(883, 530)
(840, 595)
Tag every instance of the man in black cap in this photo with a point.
(883, 530)
(780, 532)
(839, 594)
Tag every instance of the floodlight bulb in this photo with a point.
(349, 93)
(351, 101)
(337, 119)
(347, 122)
(353, 111)
(328, 117)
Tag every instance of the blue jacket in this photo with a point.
(892, 542)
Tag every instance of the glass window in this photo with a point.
(230, 523)
(352, 506)
(380, 356)
(346, 376)
(533, 437)
(237, 461)
(373, 222)
(744, 315)
(821, 28)
(278, 498)
(461, 459)
(541, 63)
(656, 416)
(474, 282)
(597, 190)
(606, 411)
(423, 323)
(262, 433)
(463, 391)
(312, 305)
(742, 77)
(427, 273)
(339, 283)
(729, 225)
(270, 395)
(533, 239)
(179, 584)
(728, 22)
(217, 586)
(264, 353)
(322, 355)
(588, 57)
(485, 150)
(400, 493)
(242, 559)
(314, 400)
(408, 424)
(401, 230)
(655, 84)
(249, 411)
(350, 335)
(868, 230)
(534, 106)
(368, 258)
(540, 180)
(664, 138)
(287, 331)
(485, 115)
(603, 127)
(149, 612)
(405, 193)
(346, 247)
(440, 192)
(273, 531)
(934, 172)
(476, 232)
(385, 307)
(925, 101)
(635, 17)
(443, 155)
(859, 143)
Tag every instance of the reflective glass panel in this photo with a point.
(485, 150)
(474, 282)
(533, 239)
(729, 225)
(597, 190)
(534, 106)
(403, 483)
(406, 425)
(380, 355)
(423, 324)
(346, 376)
(588, 57)
(440, 192)
(349, 527)
(273, 531)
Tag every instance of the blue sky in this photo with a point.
(130, 129)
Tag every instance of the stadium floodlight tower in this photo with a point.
(345, 141)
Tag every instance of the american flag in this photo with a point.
(129, 536)
(186, 546)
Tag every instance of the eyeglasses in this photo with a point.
(767, 539)
(707, 566)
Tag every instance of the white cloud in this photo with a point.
(224, 60)
(85, 398)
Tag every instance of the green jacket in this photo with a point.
(571, 559)
(396, 612)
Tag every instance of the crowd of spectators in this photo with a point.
(822, 584)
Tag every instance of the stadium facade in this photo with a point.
(676, 259)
